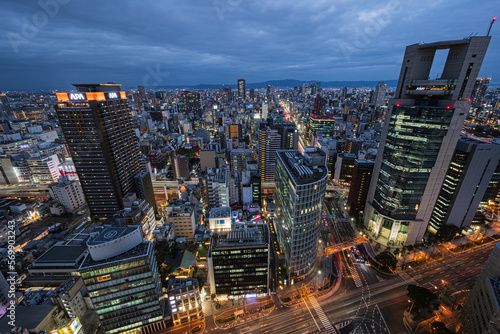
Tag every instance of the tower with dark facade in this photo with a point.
(97, 127)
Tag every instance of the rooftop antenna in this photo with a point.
(491, 24)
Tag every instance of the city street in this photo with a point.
(367, 301)
(464, 268)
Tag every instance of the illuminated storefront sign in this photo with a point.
(74, 327)
(92, 96)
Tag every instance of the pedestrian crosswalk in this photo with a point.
(355, 276)
(321, 315)
(342, 324)
(207, 308)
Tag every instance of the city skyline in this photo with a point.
(154, 179)
(221, 41)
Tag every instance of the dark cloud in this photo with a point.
(218, 41)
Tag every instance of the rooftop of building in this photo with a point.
(61, 254)
(132, 208)
(323, 117)
(67, 285)
(30, 317)
(363, 161)
(445, 44)
(109, 233)
(217, 175)
(347, 155)
(222, 212)
(96, 87)
(300, 168)
(181, 283)
(188, 260)
(180, 208)
(241, 150)
(62, 182)
(242, 235)
(471, 139)
(140, 250)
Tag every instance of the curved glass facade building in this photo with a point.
(300, 193)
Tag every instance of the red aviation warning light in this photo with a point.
(491, 24)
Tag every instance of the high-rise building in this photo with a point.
(180, 167)
(227, 94)
(234, 131)
(69, 296)
(141, 94)
(98, 130)
(252, 94)
(481, 312)
(8, 174)
(121, 275)
(265, 110)
(318, 105)
(217, 187)
(145, 190)
(191, 103)
(184, 299)
(207, 159)
(360, 184)
(182, 216)
(492, 194)
(238, 261)
(137, 212)
(479, 91)
(300, 192)
(269, 142)
(68, 193)
(353, 145)
(161, 94)
(256, 182)
(242, 89)
(324, 123)
(317, 88)
(268, 93)
(5, 108)
(378, 97)
(43, 168)
(344, 168)
(467, 179)
(238, 159)
(421, 129)
(289, 134)
(234, 188)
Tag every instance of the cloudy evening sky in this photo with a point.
(218, 41)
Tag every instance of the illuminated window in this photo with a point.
(104, 278)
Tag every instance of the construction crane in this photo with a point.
(491, 24)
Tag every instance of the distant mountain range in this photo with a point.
(288, 83)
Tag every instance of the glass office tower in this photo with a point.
(300, 193)
(421, 129)
(122, 279)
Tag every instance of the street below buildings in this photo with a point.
(366, 300)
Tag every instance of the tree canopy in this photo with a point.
(422, 297)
